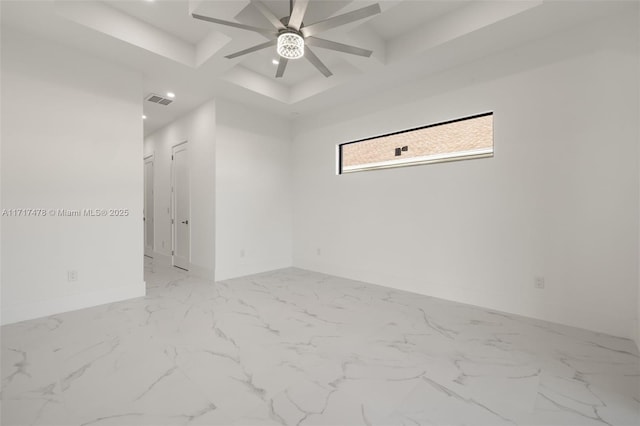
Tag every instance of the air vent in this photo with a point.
(157, 99)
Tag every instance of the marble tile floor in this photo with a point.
(293, 347)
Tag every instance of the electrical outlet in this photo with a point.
(72, 276)
(319, 252)
(538, 282)
(242, 253)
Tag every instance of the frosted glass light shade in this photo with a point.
(290, 45)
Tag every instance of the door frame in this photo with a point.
(174, 206)
(149, 159)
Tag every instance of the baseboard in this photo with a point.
(201, 272)
(246, 269)
(469, 297)
(28, 311)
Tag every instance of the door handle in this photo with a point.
(186, 222)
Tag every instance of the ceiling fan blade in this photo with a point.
(281, 67)
(264, 31)
(311, 57)
(345, 48)
(268, 14)
(336, 21)
(252, 49)
(297, 14)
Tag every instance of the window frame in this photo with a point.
(416, 161)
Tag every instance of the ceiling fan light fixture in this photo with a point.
(290, 45)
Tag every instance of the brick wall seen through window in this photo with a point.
(465, 138)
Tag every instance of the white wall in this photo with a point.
(559, 199)
(198, 129)
(253, 191)
(71, 139)
(638, 121)
(240, 174)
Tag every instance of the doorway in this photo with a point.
(148, 207)
(181, 206)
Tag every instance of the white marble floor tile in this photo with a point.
(293, 347)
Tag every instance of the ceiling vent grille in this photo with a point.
(157, 99)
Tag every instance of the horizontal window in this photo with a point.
(464, 138)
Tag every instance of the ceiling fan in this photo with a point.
(292, 37)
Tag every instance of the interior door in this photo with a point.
(181, 207)
(148, 207)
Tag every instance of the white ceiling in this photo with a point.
(171, 16)
(411, 39)
(406, 16)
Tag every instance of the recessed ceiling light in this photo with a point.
(275, 62)
(144, 117)
(171, 95)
